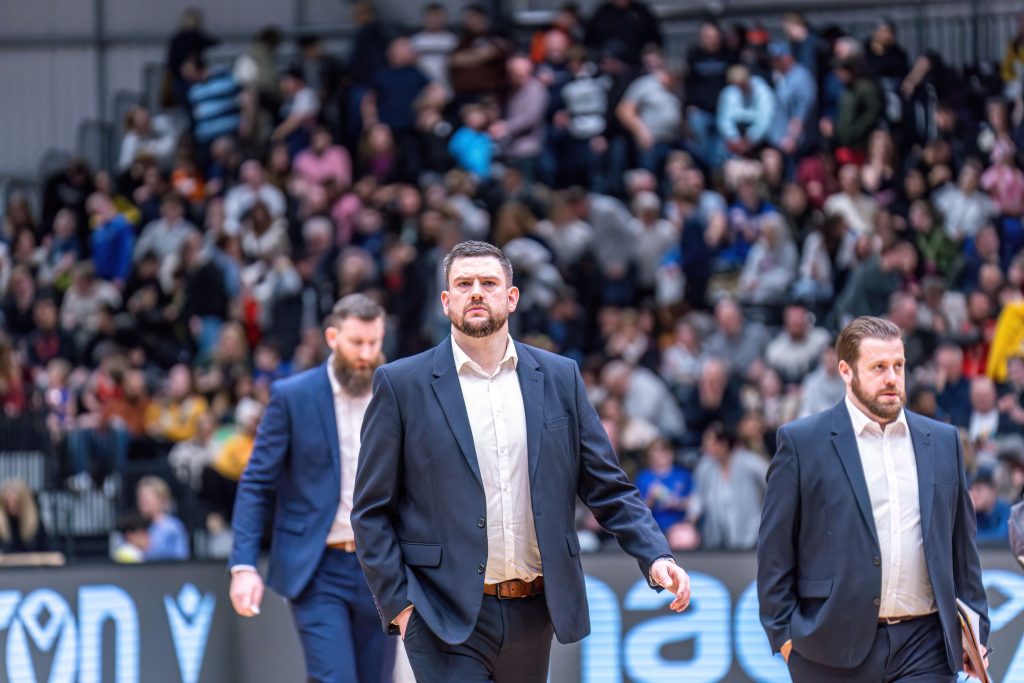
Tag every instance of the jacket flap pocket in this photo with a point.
(556, 422)
(421, 554)
(574, 543)
(292, 524)
(814, 588)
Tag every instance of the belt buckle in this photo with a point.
(514, 586)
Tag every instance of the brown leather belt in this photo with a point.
(515, 588)
(347, 546)
(892, 621)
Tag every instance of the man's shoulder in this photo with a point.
(811, 426)
(300, 381)
(409, 364)
(548, 360)
(931, 425)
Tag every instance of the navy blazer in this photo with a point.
(296, 456)
(819, 574)
(420, 512)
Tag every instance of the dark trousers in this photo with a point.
(911, 651)
(338, 625)
(510, 644)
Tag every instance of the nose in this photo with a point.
(478, 290)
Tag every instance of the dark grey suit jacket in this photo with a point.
(819, 574)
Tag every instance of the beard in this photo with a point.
(478, 329)
(354, 380)
(884, 410)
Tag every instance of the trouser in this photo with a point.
(912, 651)
(339, 629)
(511, 643)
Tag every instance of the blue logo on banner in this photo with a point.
(190, 616)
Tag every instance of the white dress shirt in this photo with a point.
(348, 415)
(494, 403)
(890, 468)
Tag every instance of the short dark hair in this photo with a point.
(356, 305)
(477, 249)
(864, 327)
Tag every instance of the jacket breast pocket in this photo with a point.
(421, 554)
(814, 588)
(556, 423)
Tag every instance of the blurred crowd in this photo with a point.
(693, 232)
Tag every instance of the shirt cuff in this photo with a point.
(242, 568)
(394, 622)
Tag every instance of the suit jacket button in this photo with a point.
(878, 561)
(877, 602)
(480, 569)
(481, 523)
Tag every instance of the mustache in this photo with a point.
(476, 304)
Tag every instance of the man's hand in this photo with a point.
(787, 648)
(246, 592)
(970, 669)
(403, 620)
(672, 578)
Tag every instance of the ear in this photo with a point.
(445, 301)
(513, 298)
(846, 371)
(330, 334)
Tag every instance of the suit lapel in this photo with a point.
(531, 384)
(921, 437)
(845, 443)
(324, 402)
(449, 395)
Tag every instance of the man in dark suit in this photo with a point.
(867, 531)
(306, 452)
(473, 455)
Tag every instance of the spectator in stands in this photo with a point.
(651, 112)
(771, 265)
(965, 208)
(20, 530)
(191, 40)
(992, 511)
(730, 483)
(46, 341)
(798, 347)
(746, 110)
(859, 111)
(64, 251)
(13, 398)
(174, 415)
(809, 49)
(434, 44)
(256, 69)
(390, 101)
(190, 458)
(476, 66)
(857, 208)
(163, 238)
(796, 96)
(253, 187)
(1012, 70)
(954, 395)
(472, 147)
(168, 539)
(627, 22)
(69, 188)
(715, 398)
(16, 306)
(824, 386)
(666, 488)
(300, 106)
(369, 43)
(112, 241)
(707, 64)
(146, 136)
(83, 300)
(215, 103)
(220, 478)
(986, 421)
(736, 340)
(134, 531)
(873, 280)
(323, 164)
(519, 134)
(644, 396)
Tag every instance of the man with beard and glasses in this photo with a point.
(473, 455)
(867, 531)
(305, 453)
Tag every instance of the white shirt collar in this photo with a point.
(462, 360)
(861, 421)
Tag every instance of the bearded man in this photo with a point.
(867, 531)
(473, 455)
(305, 453)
